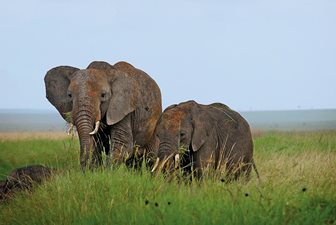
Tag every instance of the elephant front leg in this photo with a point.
(136, 158)
(203, 162)
(121, 143)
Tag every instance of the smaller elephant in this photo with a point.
(203, 138)
(23, 179)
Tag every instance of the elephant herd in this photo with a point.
(117, 110)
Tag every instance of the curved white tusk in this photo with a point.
(96, 128)
(165, 161)
(70, 129)
(156, 164)
(177, 161)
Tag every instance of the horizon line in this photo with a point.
(257, 110)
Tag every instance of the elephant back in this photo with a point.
(148, 100)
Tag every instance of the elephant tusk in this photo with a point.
(162, 164)
(96, 128)
(70, 129)
(177, 161)
(165, 161)
(156, 164)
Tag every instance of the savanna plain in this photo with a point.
(297, 186)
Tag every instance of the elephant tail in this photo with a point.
(255, 169)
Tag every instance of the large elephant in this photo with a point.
(114, 108)
(202, 138)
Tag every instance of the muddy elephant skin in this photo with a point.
(24, 178)
(114, 108)
(203, 138)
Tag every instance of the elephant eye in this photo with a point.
(182, 134)
(104, 94)
(70, 95)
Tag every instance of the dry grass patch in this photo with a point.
(14, 136)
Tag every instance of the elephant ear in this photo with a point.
(202, 127)
(57, 81)
(124, 92)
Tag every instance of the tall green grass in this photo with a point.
(298, 186)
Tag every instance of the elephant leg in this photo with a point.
(138, 155)
(238, 166)
(121, 146)
(204, 163)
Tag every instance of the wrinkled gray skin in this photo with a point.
(125, 100)
(211, 137)
(24, 178)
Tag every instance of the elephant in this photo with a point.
(114, 108)
(24, 178)
(199, 139)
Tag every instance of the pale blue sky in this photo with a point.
(251, 55)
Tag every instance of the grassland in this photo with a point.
(298, 186)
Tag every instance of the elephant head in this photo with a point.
(182, 129)
(85, 97)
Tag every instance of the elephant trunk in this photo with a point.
(167, 158)
(84, 123)
(160, 164)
